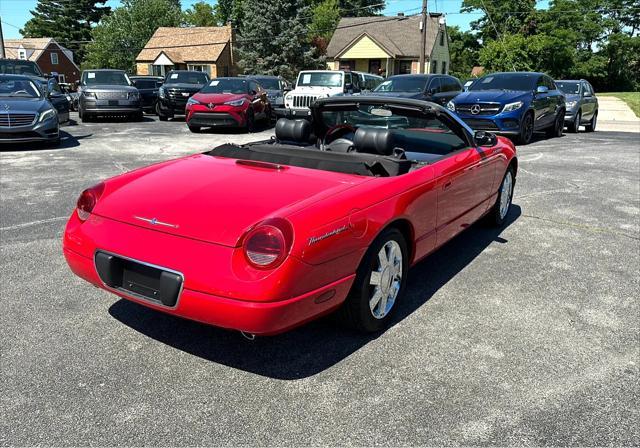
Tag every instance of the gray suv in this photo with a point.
(582, 104)
(108, 92)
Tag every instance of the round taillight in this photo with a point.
(265, 247)
(88, 200)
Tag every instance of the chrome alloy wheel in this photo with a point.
(386, 279)
(505, 194)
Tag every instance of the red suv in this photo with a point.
(230, 102)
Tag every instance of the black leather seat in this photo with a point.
(293, 131)
(374, 141)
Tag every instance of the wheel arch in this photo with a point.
(405, 227)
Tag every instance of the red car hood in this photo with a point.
(217, 98)
(213, 199)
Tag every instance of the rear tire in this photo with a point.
(575, 126)
(379, 285)
(526, 129)
(500, 210)
(558, 125)
(591, 127)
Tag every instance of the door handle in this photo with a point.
(447, 185)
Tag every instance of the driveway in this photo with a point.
(522, 336)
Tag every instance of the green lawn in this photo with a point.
(631, 98)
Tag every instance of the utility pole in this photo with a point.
(2, 53)
(423, 30)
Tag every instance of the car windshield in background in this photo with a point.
(507, 81)
(568, 87)
(106, 78)
(18, 88)
(269, 83)
(19, 68)
(187, 78)
(319, 79)
(402, 84)
(226, 86)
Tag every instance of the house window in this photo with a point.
(200, 68)
(444, 67)
(434, 66)
(54, 58)
(61, 78)
(404, 67)
(441, 38)
(348, 64)
(22, 54)
(161, 70)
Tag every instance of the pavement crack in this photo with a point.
(584, 226)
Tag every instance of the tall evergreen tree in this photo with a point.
(69, 23)
(274, 38)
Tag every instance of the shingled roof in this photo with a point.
(37, 45)
(197, 44)
(398, 35)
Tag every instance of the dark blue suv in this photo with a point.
(514, 103)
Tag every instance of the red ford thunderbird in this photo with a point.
(327, 216)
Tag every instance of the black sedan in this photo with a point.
(148, 87)
(26, 114)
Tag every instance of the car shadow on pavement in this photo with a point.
(316, 346)
(67, 141)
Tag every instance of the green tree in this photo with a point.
(505, 16)
(464, 49)
(326, 16)
(68, 23)
(120, 36)
(274, 39)
(229, 11)
(200, 14)
(360, 8)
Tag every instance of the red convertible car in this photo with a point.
(328, 216)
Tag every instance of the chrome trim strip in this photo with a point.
(133, 294)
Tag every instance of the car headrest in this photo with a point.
(293, 130)
(374, 141)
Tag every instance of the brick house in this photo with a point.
(206, 49)
(50, 56)
(389, 45)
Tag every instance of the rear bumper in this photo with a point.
(262, 318)
(215, 289)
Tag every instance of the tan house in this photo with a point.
(206, 49)
(389, 45)
(50, 56)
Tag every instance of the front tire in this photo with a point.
(250, 121)
(526, 129)
(500, 210)
(379, 285)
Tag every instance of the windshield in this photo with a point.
(18, 88)
(20, 68)
(235, 85)
(199, 78)
(569, 87)
(146, 83)
(319, 79)
(506, 81)
(403, 84)
(106, 77)
(269, 83)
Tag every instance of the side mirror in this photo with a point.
(77, 84)
(134, 83)
(253, 92)
(348, 86)
(484, 138)
(542, 89)
(286, 89)
(587, 95)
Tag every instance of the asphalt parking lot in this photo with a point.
(524, 336)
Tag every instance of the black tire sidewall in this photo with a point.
(358, 300)
(494, 216)
(576, 124)
(522, 138)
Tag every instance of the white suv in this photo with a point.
(314, 84)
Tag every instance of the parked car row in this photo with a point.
(515, 104)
